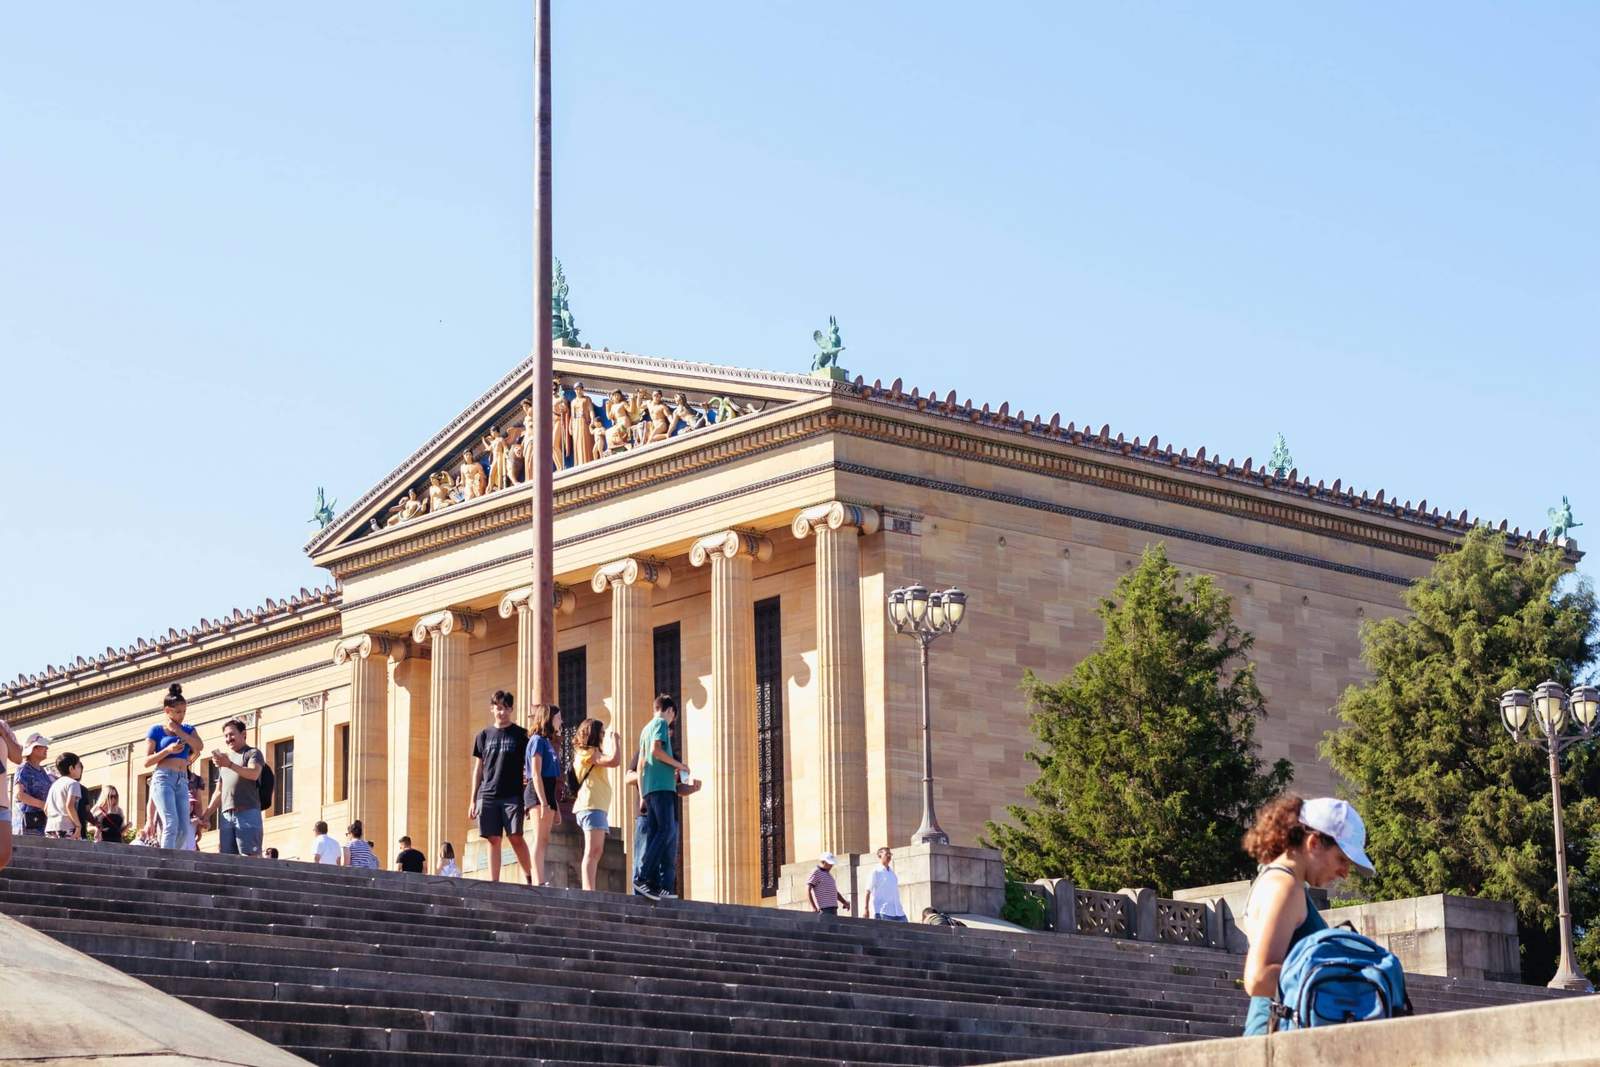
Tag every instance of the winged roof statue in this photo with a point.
(829, 344)
(324, 513)
(1561, 520)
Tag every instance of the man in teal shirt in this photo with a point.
(658, 784)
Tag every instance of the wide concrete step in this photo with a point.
(345, 966)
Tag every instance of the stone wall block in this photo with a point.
(1063, 903)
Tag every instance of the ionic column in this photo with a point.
(631, 581)
(735, 868)
(518, 602)
(409, 679)
(841, 759)
(368, 656)
(449, 756)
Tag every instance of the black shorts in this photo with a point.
(552, 789)
(496, 818)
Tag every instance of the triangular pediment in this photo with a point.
(609, 403)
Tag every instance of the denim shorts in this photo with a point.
(592, 819)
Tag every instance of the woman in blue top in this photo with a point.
(171, 747)
(1299, 843)
(541, 778)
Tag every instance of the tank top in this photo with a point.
(361, 854)
(1260, 1013)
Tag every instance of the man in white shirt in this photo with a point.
(325, 849)
(883, 891)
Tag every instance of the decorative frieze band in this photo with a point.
(730, 544)
(119, 754)
(444, 623)
(631, 570)
(563, 602)
(362, 646)
(836, 515)
(312, 704)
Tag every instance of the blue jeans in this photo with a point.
(658, 856)
(170, 790)
(641, 842)
(241, 832)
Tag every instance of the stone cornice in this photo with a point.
(950, 409)
(177, 666)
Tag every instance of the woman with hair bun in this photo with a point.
(1299, 844)
(171, 747)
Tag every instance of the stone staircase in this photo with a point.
(365, 967)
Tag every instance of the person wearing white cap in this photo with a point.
(33, 785)
(1300, 844)
(10, 752)
(822, 890)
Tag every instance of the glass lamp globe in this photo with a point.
(1515, 704)
(917, 602)
(1550, 705)
(897, 607)
(955, 607)
(936, 610)
(1585, 703)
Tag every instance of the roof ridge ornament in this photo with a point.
(825, 364)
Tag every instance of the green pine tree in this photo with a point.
(1452, 803)
(1148, 772)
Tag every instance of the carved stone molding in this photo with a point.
(730, 544)
(563, 601)
(118, 754)
(444, 623)
(631, 570)
(835, 515)
(314, 703)
(250, 718)
(363, 646)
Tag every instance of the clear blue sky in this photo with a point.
(246, 250)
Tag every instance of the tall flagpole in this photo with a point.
(542, 602)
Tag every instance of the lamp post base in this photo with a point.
(1572, 981)
(930, 835)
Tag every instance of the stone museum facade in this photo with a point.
(729, 536)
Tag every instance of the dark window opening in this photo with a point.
(769, 741)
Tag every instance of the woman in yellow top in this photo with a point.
(594, 750)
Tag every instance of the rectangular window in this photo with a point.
(283, 771)
(769, 741)
(341, 762)
(572, 697)
(669, 680)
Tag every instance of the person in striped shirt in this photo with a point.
(823, 890)
(357, 852)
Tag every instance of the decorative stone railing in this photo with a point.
(1135, 914)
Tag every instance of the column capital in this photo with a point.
(631, 570)
(363, 646)
(730, 544)
(835, 515)
(563, 602)
(444, 623)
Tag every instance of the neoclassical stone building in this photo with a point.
(729, 536)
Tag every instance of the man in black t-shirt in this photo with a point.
(409, 859)
(498, 754)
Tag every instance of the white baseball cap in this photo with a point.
(1340, 821)
(829, 858)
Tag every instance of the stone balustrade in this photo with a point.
(1134, 914)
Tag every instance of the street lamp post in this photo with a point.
(925, 616)
(1553, 709)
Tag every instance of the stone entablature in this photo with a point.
(213, 644)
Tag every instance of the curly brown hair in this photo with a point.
(1277, 828)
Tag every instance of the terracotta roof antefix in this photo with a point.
(1291, 484)
(270, 611)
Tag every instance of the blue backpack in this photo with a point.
(1337, 976)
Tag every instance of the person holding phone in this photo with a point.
(170, 747)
